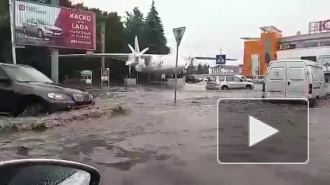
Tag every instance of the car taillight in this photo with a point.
(263, 87)
(310, 89)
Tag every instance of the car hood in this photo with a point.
(53, 88)
(247, 82)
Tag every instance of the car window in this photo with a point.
(321, 75)
(296, 73)
(236, 79)
(221, 78)
(212, 78)
(230, 79)
(314, 72)
(276, 73)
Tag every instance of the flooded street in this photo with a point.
(163, 143)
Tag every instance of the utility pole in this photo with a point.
(103, 42)
(54, 54)
(220, 64)
(12, 29)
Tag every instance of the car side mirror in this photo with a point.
(47, 171)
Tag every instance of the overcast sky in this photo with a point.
(215, 24)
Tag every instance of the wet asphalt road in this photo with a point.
(162, 143)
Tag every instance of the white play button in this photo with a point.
(259, 131)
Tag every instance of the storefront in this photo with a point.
(272, 45)
(258, 52)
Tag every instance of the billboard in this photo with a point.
(56, 27)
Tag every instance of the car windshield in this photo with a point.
(26, 74)
(212, 78)
(42, 22)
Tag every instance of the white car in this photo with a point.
(40, 28)
(259, 79)
(227, 82)
(244, 78)
(295, 79)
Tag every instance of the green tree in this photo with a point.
(154, 32)
(205, 69)
(200, 69)
(134, 26)
(5, 37)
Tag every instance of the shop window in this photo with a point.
(310, 44)
(325, 43)
(311, 58)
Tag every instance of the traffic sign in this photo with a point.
(220, 59)
(178, 33)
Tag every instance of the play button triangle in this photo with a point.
(258, 131)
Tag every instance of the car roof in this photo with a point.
(7, 64)
(308, 62)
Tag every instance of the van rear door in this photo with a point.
(297, 82)
(275, 80)
(317, 79)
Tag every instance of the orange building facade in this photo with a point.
(259, 52)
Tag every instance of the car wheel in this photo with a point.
(33, 110)
(224, 87)
(40, 34)
(248, 87)
(313, 103)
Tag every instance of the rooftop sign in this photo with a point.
(319, 26)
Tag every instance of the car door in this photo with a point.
(318, 81)
(324, 86)
(239, 84)
(230, 82)
(30, 25)
(275, 81)
(296, 81)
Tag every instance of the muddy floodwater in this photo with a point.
(165, 144)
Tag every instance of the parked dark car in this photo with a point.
(27, 92)
(192, 79)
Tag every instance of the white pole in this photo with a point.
(176, 74)
(12, 28)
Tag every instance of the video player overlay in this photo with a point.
(260, 131)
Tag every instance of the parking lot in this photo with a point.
(160, 142)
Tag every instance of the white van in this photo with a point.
(295, 79)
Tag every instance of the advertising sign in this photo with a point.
(220, 59)
(57, 27)
(287, 46)
(319, 26)
(104, 74)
